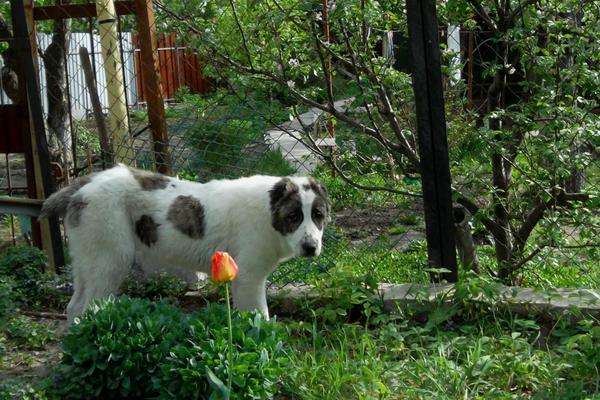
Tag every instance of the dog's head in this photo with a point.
(299, 211)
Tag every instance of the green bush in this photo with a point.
(32, 287)
(25, 332)
(198, 367)
(156, 287)
(133, 348)
(7, 298)
(19, 390)
(117, 347)
(24, 264)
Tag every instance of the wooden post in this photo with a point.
(24, 33)
(431, 126)
(90, 82)
(118, 122)
(152, 85)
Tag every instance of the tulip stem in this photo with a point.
(230, 369)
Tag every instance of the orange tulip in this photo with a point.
(223, 267)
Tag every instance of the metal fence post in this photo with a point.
(431, 125)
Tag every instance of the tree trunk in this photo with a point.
(8, 74)
(58, 118)
(464, 240)
(501, 171)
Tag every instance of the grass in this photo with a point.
(477, 352)
(347, 348)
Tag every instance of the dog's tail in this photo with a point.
(58, 203)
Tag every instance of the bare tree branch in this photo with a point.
(483, 14)
(241, 30)
(558, 199)
(473, 208)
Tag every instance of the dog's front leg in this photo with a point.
(249, 293)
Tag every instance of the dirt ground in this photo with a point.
(27, 365)
(370, 226)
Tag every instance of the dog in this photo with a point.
(124, 216)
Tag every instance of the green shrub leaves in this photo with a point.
(134, 348)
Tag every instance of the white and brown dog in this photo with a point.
(123, 216)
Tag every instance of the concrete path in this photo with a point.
(285, 138)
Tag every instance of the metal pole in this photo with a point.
(431, 126)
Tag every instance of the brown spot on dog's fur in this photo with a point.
(187, 215)
(147, 230)
(149, 180)
(286, 206)
(74, 210)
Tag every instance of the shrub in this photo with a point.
(7, 298)
(133, 348)
(156, 287)
(32, 287)
(116, 348)
(18, 390)
(24, 264)
(52, 291)
(25, 332)
(198, 367)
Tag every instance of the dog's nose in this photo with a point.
(309, 249)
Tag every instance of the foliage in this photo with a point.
(18, 330)
(116, 348)
(33, 288)
(52, 291)
(341, 294)
(155, 287)
(473, 350)
(198, 367)
(7, 298)
(524, 164)
(227, 138)
(24, 332)
(16, 390)
(87, 139)
(135, 348)
(24, 264)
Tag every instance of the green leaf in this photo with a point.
(217, 384)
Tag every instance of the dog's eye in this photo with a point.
(318, 214)
(295, 217)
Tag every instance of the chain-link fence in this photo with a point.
(323, 88)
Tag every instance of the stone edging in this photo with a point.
(419, 296)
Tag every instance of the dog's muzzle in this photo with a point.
(309, 249)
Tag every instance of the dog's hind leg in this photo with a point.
(99, 268)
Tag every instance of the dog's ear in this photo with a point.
(321, 190)
(281, 190)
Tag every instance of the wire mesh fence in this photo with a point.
(287, 88)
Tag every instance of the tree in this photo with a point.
(528, 147)
(57, 119)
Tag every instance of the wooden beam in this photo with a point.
(152, 85)
(24, 32)
(15, 205)
(431, 127)
(87, 10)
(91, 84)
